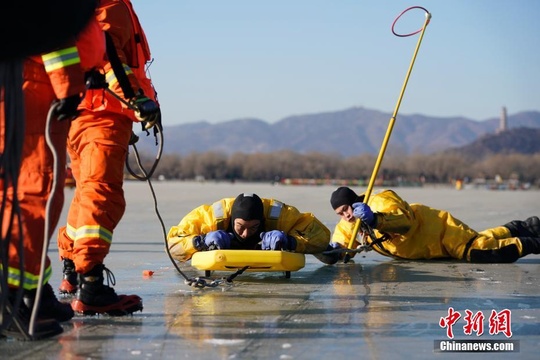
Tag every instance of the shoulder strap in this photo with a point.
(118, 68)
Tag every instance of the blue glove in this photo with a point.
(277, 240)
(334, 246)
(218, 240)
(363, 212)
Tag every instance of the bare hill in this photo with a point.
(348, 132)
(514, 141)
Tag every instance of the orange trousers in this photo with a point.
(97, 146)
(35, 180)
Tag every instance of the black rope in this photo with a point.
(158, 133)
(198, 282)
(10, 162)
(239, 272)
(375, 241)
(202, 282)
(56, 188)
(146, 178)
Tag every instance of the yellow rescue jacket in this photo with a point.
(310, 234)
(415, 231)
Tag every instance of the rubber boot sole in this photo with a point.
(67, 288)
(126, 305)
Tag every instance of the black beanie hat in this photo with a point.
(248, 207)
(343, 196)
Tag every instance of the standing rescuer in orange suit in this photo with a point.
(55, 77)
(97, 145)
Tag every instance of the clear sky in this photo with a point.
(218, 60)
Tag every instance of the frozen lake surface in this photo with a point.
(372, 308)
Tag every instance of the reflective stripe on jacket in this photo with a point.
(66, 66)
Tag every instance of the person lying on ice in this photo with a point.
(247, 222)
(416, 231)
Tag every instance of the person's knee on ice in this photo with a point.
(507, 254)
(492, 250)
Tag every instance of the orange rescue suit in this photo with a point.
(98, 143)
(55, 75)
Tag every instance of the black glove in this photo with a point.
(95, 80)
(146, 110)
(67, 108)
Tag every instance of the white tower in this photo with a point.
(503, 125)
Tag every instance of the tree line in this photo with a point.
(276, 166)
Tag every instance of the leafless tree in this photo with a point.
(395, 167)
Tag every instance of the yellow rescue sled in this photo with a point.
(254, 260)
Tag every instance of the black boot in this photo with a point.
(528, 228)
(94, 296)
(530, 245)
(69, 278)
(16, 323)
(50, 307)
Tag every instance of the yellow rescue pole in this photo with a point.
(392, 119)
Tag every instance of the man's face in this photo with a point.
(346, 213)
(246, 228)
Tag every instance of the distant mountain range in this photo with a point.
(514, 141)
(349, 132)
